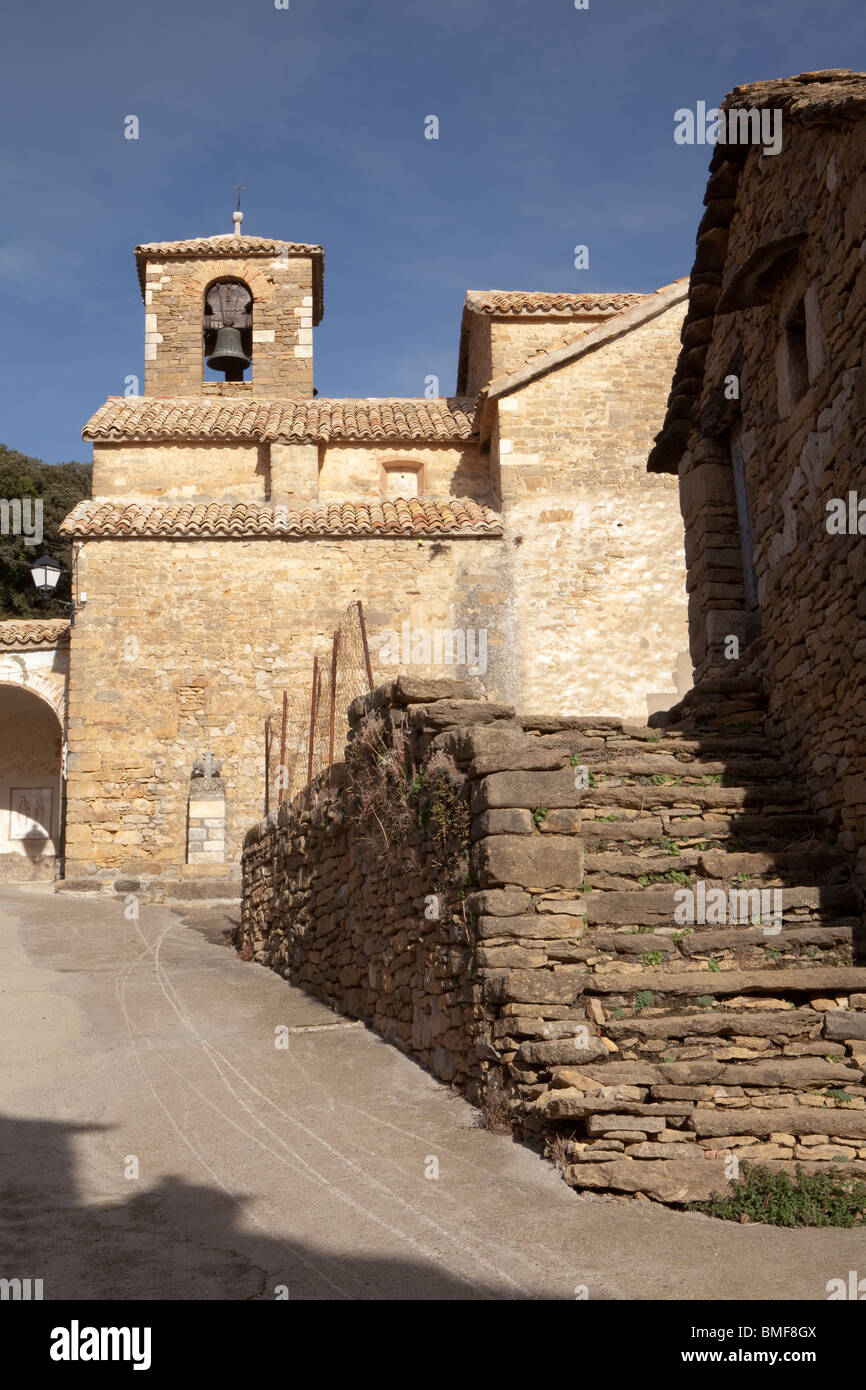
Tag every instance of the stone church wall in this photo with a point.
(181, 471)
(498, 346)
(595, 543)
(359, 470)
(185, 646)
(515, 341)
(248, 472)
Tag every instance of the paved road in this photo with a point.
(303, 1167)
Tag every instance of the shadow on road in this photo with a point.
(174, 1240)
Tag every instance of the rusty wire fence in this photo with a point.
(309, 731)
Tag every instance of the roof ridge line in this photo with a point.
(647, 309)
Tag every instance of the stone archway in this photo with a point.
(34, 669)
(46, 690)
(31, 783)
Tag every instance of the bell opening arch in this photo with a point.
(227, 330)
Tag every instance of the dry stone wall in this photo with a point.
(374, 929)
(798, 454)
(648, 1054)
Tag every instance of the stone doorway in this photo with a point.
(31, 810)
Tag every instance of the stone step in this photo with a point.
(616, 1113)
(657, 906)
(759, 829)
(769, 980)
(676, 1181)
(768, 825)
(711, 745)
(644, 859)
(804, 1119)
(756, 1023)
(619, 831)
(822, 867)
(734, 687)
(700, 699)
(731, 714)
(807, 862)
(843, 933)
(741, 683)
(711, 942)
(641, 860)
(736, 771)
(755, 824)
(713, 714)
(615, 795)
(719, 690)
(660, 874)
(785, 1072)
(217, 891)
(624, 943)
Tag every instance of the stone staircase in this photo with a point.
(726, 995)
(560, 985)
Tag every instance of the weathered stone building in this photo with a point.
(766, 428)
(232, 521)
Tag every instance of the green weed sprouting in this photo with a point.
(778, 1199)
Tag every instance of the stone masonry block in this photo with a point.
(529, 861)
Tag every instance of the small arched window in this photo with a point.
(228, 329)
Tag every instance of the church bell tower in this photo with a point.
(230, 315)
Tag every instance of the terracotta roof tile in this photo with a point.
(33, 632)
(508, 303)
(412, 516)
(245, 418)
(219, 245)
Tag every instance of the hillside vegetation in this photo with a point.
(60, 486)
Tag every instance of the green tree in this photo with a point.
(60, 486)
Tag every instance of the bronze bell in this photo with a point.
(228, 355)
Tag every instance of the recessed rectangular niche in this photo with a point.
(401, 482)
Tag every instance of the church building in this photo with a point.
(236, 513)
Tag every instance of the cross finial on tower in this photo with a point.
(237, 215)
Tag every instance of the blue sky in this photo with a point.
(556, 129)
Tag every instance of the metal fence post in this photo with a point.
(267, 766)
(334, 658)
(364, 640)
(283, 748)
(313, 712)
